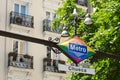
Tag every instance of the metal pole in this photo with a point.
(75, 27)
(98, 54)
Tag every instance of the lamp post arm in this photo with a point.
(81, 17)
(73, 21)
(75, 26)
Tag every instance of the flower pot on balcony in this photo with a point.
(27, 56)
(13, 54)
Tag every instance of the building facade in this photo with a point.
(22, 60)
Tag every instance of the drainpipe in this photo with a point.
(5, 53)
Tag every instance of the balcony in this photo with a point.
(47, 27)
(82, 2)
(20, 61)
(21, 19)
(51, 65)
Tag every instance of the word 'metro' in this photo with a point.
(77, 48)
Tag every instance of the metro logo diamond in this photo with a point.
(76, 49)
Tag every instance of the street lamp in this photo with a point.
(64, 32)
(87, 21)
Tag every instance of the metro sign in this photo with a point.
(76, 49)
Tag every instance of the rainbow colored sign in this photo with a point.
(76, 49)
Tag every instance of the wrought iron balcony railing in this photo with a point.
(52, 65)
(47, 27)
(20, 60)
(21, 19)
(82, 2)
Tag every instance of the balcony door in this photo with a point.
(20, 47)
(50, 15)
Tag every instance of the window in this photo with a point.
(48, 52)
(48, 15)
(53, 16)
(23, 9)
(81, 1)
(20, 47)
(16, 8)
(20, 9)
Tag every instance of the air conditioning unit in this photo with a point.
(18, 20)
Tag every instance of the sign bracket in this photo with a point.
(99, 55)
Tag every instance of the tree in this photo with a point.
(103, 35)
(65, 15)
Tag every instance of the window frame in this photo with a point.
(20, 3)
(51, 16)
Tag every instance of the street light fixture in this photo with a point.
(65, 32)
(87, 21)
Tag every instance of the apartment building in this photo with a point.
(23, 60)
